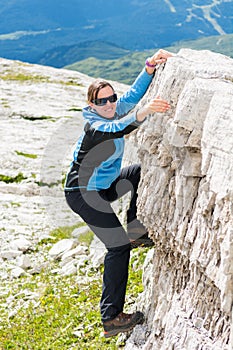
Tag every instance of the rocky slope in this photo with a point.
(185, 200)
(40, 122)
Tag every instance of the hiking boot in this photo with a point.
(122, 323)
(143, 241)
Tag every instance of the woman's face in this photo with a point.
(107, 110)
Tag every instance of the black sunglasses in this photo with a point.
(102, 101)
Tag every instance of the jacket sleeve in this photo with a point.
(137, 90)
(101, 131)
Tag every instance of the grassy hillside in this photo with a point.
(126, 68)
(219, 43)
(63, 55)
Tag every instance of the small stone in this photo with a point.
(66, 261)
(79, 250)
(81, 260)
(80, 231)
(78, 334)
(38, 268)
(22, 244)
(61, 247)
(10, 254)
(24, 262)
(12, 313)
(69, 269)
(97, 252)
(17, 272)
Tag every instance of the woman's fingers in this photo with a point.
(161, 56)
(159, 105)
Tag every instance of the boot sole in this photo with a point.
(145, 244)
(113, 332)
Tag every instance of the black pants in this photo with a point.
(95, 209)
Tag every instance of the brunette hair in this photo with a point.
(95, 87)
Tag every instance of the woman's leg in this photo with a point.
(128, 182)
(105, 224)
(115, 279)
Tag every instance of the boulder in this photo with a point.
(185, 201)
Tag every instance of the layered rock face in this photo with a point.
(186, 202)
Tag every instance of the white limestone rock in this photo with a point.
(61, 247)
(97, 252)
(81, 261)
(10, 254)
(79, 250)
(185, 200)
(80, 231)
(21, 244)
(24, 262)
(17, 272)
(69, 269)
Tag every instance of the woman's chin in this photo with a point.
(109, 115)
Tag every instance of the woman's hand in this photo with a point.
(159, 57)
(157, 104)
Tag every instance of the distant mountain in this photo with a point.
(29, 28)
(126, 68)
(64, 55)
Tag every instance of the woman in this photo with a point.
(95, 179)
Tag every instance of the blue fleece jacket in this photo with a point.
(99, 151)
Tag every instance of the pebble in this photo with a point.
(61, 247)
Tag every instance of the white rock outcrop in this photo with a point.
(186, 202)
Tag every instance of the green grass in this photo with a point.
(64, 305)
(42, 117)
(65, 232)
(21, 77)
(5, 103)
(86, 238)
(15, 204)
(27, 155)
(12, 179)
(75, 109)
(69, 83)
